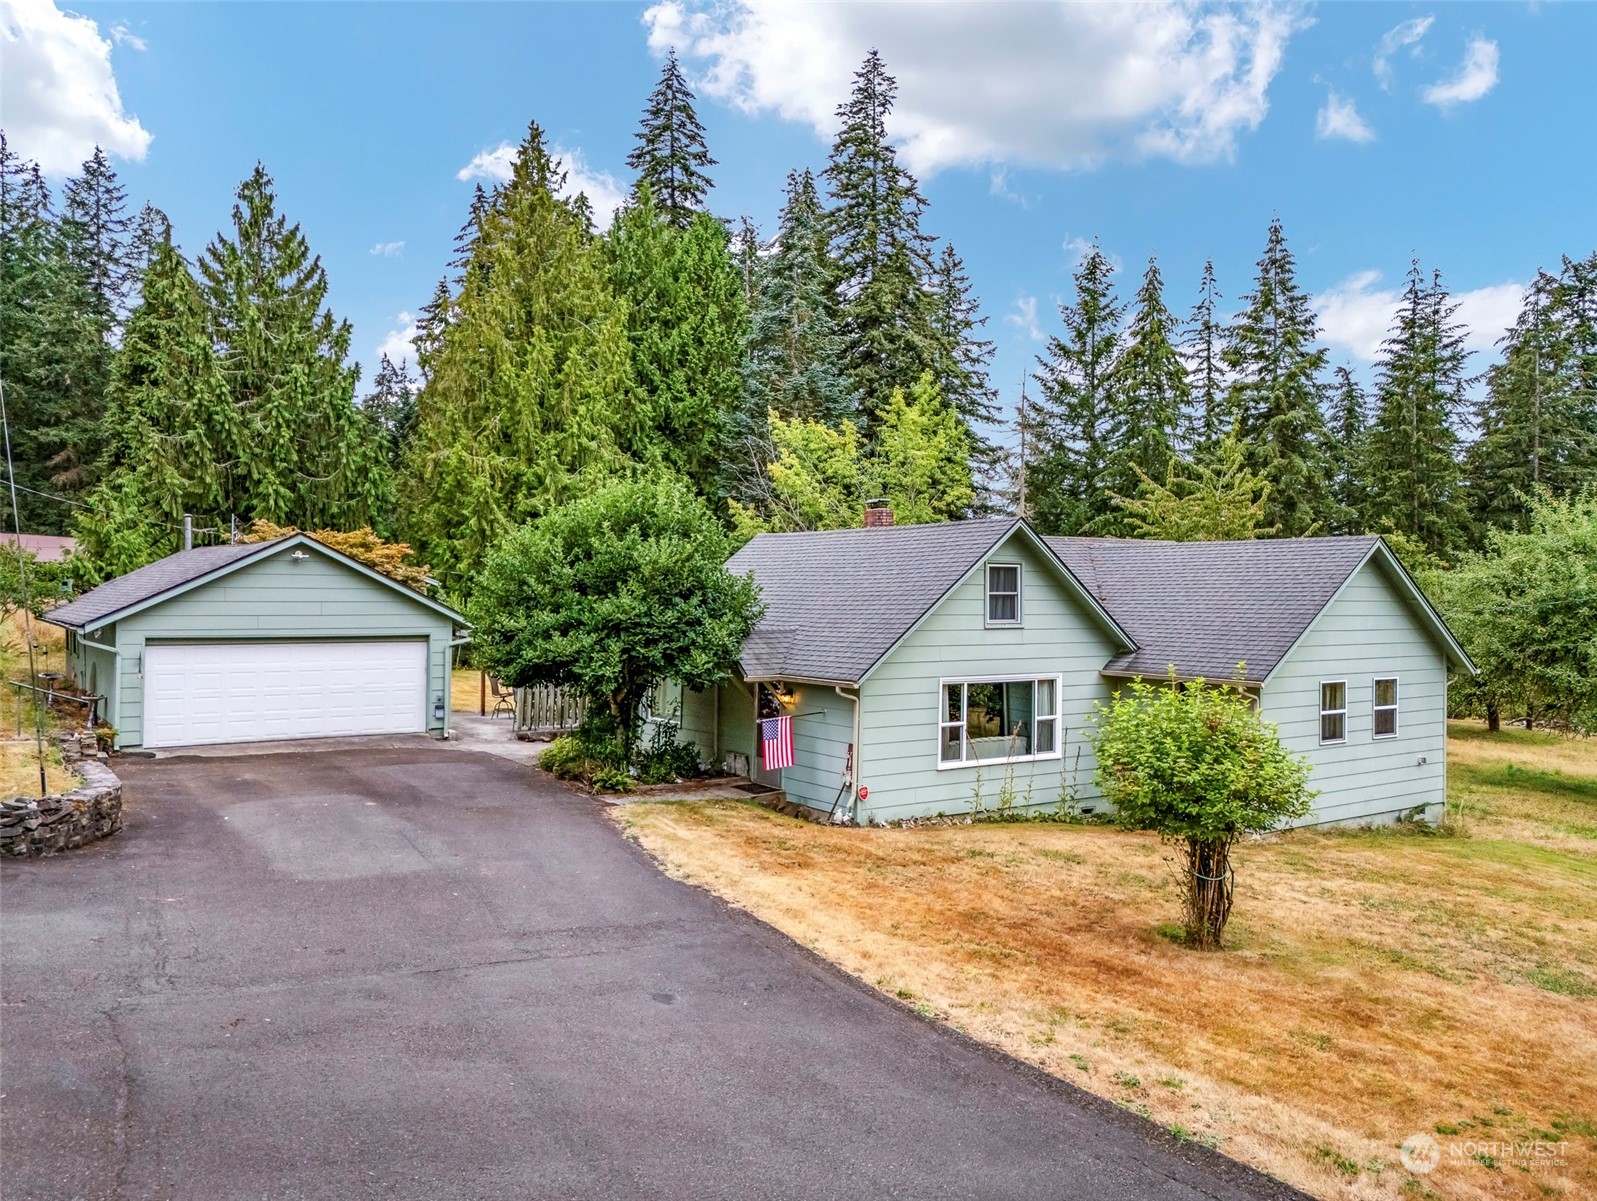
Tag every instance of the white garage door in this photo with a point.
(257, 691)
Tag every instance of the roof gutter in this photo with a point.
(1120, 674)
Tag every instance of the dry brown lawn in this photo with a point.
(1376, 985)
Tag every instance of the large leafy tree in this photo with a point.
(1213, 499)
(685, 319)
(306, 456)
(611, 594)
(1072, 419)
(1523, 608)
(670, 157)
(1275, 392)
(1410, 454)
(818, 477)
(881, 256)
(528, 377)
(1199, 767)
(1148, 396)
(1537, 418)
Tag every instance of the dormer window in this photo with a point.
(1003, 594)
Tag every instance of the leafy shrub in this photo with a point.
(665, 759)
(612, 779)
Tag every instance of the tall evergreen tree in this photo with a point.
(530, 384)
(1349, 427)
(98, 230)
(1071, 420)
(309, 459)
(391, 407)
(1275, 392)
(964, 356)
(685, 323)
(1536, 421)
(670, 157)
(794, 351)
(175, 441)
(1411, 449)
(1148, 398)
(53, 352)
(1204, 349)
(881, 255)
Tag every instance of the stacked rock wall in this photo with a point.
(32, 826)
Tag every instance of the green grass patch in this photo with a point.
(1564, 983)
(1531, 779)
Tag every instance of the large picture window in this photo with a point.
(993, 721)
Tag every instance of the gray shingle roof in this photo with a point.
(1207, 606)
(95, 606)
(837, 600)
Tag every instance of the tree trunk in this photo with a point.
(1209, 890)
(1494, 717)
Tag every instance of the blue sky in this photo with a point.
(1459, 133)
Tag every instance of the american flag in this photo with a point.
(776, 742)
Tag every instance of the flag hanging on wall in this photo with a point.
(776, 742)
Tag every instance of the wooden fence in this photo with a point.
(544, 711)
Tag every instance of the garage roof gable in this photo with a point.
(178, 573)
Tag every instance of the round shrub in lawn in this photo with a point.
(1195, 763)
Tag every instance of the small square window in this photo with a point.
(1003, 594)
(1333, 711)
(1383, 717)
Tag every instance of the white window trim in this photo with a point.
(1323, 712)
(1057, 717)
(1397, 697)
(987, 601)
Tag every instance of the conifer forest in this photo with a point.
(786, 374)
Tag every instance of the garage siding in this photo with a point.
(316, 597)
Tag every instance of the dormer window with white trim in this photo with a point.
(1003, 594)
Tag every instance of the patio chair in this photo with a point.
(504, 700)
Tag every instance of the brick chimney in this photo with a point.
(878, 513)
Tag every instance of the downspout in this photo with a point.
(853, 774)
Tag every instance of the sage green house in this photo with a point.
(942, 669)
(261, 641)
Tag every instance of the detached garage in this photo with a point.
(260, 642)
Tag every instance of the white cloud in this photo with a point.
(58, 91)
(493, 165)
(1024, 318)
(1476, 76)
(1056, 85)
(1396, 38)
(998, 185)
(123, 36)
(1339, 118)
(603, 192)
(400, 344)
(1356, 314)
(388, 250)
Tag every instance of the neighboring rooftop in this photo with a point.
(47, 548)
(1205, 607)
(837, 600)
(98, 605)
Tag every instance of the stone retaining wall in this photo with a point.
(31, 826)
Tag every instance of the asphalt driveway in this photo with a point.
(420, 973)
